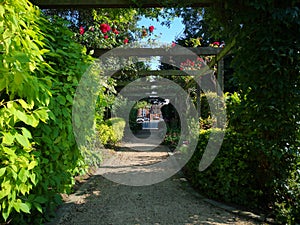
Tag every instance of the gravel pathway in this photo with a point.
(172, 201)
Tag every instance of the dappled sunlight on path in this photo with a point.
(172, 201)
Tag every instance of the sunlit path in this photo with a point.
(173, 201)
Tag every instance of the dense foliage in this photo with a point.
(40, 70)
(258, 165)
(263, 129)
(111, 131)
(25, 96)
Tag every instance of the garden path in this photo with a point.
(101, 201)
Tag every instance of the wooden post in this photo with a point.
(220, 75)
(198, 98)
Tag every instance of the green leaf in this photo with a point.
(21, 57)
(24, 208)
(8, 138)
(5, 214)
(40, 199)
(61, 99)
(22, 116)
(2, 171)
(6, 186)
(69, 98)
(2, 194)
(26, 133)
(38, 207)
(2, 10)
(23, 175)
(24, 104)
(42, 114)
(33, 178)
(6, 34)
(9, 151)
(16, 205)
(24, 188)
(32, 121)
(32, 164)
(23, 140)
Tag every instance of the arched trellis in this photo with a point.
(200, 51)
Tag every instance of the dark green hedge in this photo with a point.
(230, 177)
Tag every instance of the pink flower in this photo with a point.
(216, 43)
(173, 44)
(106, 37)
(151, 29)
(104, 28)
(126, 41)
(81, 30)
(91, 29)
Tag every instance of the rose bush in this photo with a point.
(106, 36)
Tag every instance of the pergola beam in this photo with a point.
(163, 73)
(50, 4)
(148, 52)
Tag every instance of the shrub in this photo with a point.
(59, 157)
(171, 138)
(244, 174)
(38, 152)
(25, 95)
(105, 133)
(207, 120)
(266, 64)
(229, 177)
(118, 126)
(111, 131)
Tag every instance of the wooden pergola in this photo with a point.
(148, 52)
(200, 51)
(118, 3)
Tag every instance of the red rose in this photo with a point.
(104, 28)
(126, 41)
(106, 37)
(115, 31)
(81, 30)
(151, 29)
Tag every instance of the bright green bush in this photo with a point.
(105, 132)
(25, 95)
(38, 152)
(59, 157)
(111, 131)
(118, 126)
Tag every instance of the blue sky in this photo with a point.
(167, 35)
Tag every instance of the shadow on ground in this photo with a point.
(101, 201)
